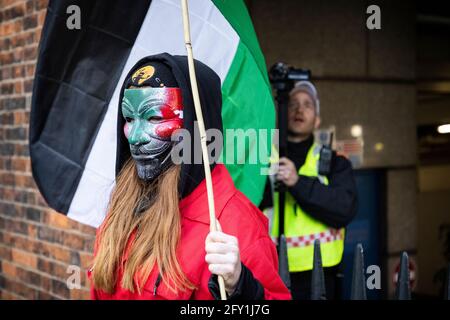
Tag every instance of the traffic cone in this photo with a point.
(358, 278)
(283, 265)
(318, 280)
(403, 290)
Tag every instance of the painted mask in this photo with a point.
(151, 115)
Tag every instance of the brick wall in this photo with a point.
(37, 245)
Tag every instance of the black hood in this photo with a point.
(209, 87)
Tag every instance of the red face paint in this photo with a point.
(126, 129)
(172, 113)
(167, 128)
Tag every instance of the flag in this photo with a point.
(78, 78)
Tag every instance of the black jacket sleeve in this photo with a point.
(334, 204)
(247, 288)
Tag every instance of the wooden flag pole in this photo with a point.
(201, 127)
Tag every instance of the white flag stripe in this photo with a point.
(214, 43)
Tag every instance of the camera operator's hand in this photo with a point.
(287, 173)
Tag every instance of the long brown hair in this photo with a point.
(157, 232)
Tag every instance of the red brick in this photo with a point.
(37, 34)
(7, 88)
(7, 3)
(5, 253)
(21, 164)
(7, 118)
(5, 59)
(53, 268)
(40, 4)
(10, 209)
(8, 195)
(24, 181)
(20, 196)
(30, 53)
(22, 242)
(21, 150)
(29, 6)
(60, 288)
(54, 219)
(18, 87)
(11, 27)
(18, 71)
(89, 230)
(50, 234)
(30, 70)
(86, 260)
(42, 295)
(5, 44)
(40, 201)
(7, 28)
(9, 269)
(80, 294)
(24, 258)
(14, 12)
(73, 241)
(16, 133)
(7, 178)
(30, 22)
(9, 296)
(32, 231)
(28, 277)
(29, 37)
(54, 252)
(17, 41)
(20, 289)
(16, 226)
(28, 85)
(6, 151)
(18, 55)
(21, 117)
(46, 283)
(41, 17)
(89, 245)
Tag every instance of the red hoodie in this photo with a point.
(237, 217)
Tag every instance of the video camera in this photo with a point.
(284, 77)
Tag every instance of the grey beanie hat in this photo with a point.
(309, 88)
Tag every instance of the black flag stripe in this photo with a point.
(76, 75)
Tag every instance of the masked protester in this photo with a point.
(155, 241)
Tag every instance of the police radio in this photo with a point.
(326, 156)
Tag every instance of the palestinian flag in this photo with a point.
(78, 78)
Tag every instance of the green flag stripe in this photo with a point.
(247, 100)
(237, 15)
(247, 104)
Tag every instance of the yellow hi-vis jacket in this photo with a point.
(301, 229)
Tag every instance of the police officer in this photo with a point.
(316, 206)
